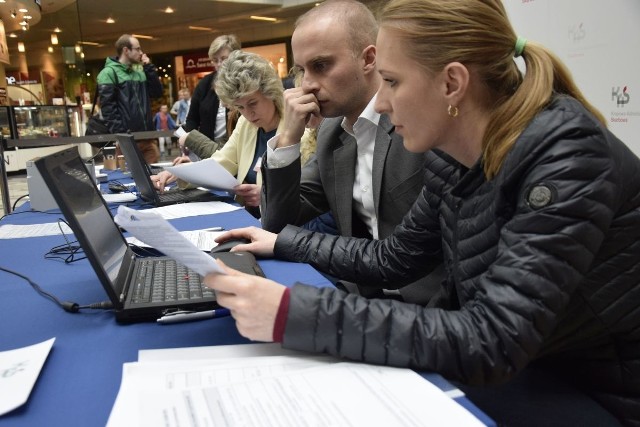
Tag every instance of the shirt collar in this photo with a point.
(369, 114)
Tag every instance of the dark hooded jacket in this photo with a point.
(542, 266)
(125, 93)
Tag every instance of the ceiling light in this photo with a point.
(78, 48)
(57, 30)
(13, 35)
(50, 49)
(20, 47)
(27, 17)
(168, 10)
(2, 1)
(23, 10)
(192, 27)
(110, 20)
(142, 36)
(90, 43)
(263, 18)
(23, 23)
(54, 38)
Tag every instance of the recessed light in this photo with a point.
(110, 20)
(57, 30)
(13, 35)
(193, 27)
(168, 10)
(263, 18)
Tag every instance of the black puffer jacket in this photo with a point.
(543, 263)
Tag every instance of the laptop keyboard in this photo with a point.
(166, 280)
(178, 195)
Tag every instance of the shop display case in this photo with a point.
(41, 121)
(6, 123)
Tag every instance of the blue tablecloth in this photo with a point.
(80, 380)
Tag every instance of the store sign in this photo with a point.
(18, 78)
(197, 63)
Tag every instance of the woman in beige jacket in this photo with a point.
(249, 84)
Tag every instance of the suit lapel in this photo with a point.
(380, 151)
(344, 163)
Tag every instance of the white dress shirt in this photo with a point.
(221, 122)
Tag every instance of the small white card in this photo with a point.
(179, 132)
(19, 370)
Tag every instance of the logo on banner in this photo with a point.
(577, 32)
(621, 98)
(624, 112)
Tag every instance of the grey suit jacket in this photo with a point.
(295, 195)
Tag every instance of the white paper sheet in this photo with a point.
(119, 197)
(13, 231)
(140, 379)
(206, 173)
(338, 394)
(152, 229)
(183, 210)
(187, 354)
(202, 239)
(19, 370)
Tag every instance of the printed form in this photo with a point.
(233, 388)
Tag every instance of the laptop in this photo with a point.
(141, 174)
(129, 281)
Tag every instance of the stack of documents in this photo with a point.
(263, 385)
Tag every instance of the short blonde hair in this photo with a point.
(245, 73)
(227, 41)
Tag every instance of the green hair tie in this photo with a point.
(520, 42)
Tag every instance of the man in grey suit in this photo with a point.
(361, 173)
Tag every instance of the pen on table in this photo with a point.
(188, 316)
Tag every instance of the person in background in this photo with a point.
(248, 83)
(538, 226)
(163, 121)
(180, 108)
(206, 113)
(125, 86)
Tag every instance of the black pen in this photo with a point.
(188, 316)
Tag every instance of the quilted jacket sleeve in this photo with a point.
(511, 312)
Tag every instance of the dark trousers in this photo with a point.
(538, 398)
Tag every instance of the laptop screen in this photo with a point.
(83, 207)
(137, 166)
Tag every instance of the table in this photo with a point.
(80, 380)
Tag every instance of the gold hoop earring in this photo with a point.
(452, 111)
